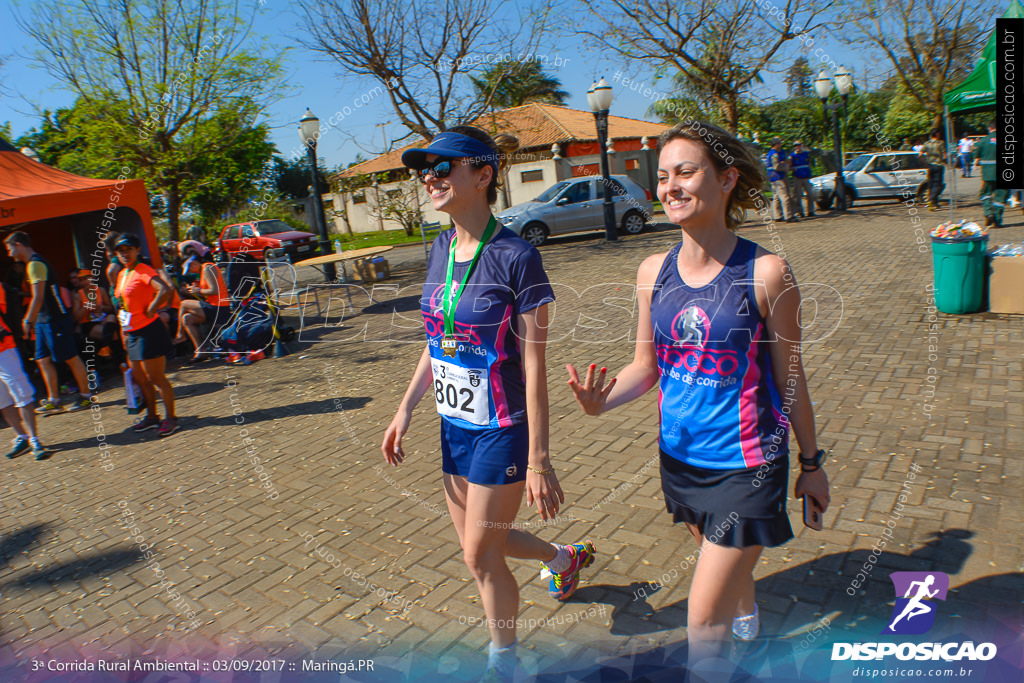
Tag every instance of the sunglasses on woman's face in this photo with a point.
(441, 168)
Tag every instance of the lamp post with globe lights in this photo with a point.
(599, 97)
(823, 86)
(309, 133)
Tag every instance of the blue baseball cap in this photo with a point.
(452, 146)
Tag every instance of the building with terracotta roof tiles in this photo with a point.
(554, 143)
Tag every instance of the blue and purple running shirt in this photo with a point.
(718, 402)
(483, 386)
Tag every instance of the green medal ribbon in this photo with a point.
(449, 302)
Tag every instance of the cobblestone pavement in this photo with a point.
(293, 562)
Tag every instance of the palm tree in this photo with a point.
(518, 83)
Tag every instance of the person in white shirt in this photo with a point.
(964, 149)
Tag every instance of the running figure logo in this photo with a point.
(912, 615)
(691, 327)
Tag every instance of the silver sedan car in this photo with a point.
(868, 176)
(576, 205)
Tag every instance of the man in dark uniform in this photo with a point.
(800, 160)
(935, 155)
(992, 200)
(778, 169)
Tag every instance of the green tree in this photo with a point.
(795, 118)
(5, 130)
(292, 178)
(798, 78)
(218, 181)
(218, 161)
(163, 69)
(530, 84)
(906, 118)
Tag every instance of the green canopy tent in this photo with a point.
(977, 92)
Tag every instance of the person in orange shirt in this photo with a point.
(90, 305)
(138, 295)
(212, 303)
(17, 395)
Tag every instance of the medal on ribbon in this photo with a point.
(450, 300)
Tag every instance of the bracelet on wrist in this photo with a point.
(550, 470)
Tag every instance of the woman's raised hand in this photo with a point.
(591, 393)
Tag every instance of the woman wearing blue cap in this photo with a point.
(719, 334)
(485, 310)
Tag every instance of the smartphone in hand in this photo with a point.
(812, 514)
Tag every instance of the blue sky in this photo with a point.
(317, 84)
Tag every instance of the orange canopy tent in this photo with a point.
(68, 216)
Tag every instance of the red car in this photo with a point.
(261, 240)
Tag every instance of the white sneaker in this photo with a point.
(747, 628)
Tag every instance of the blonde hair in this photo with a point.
(725, 151)
(504, 146)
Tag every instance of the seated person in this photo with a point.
(211, 304)
(92, 310)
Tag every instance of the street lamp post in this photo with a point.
(599, 97)
(823, 86)
(309, 133)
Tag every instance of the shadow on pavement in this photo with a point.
(18, 542)
(982, 607)
(823, 580)
(100, 564)
(127, 436)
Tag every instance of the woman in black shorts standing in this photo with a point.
(138, 296)
(719, 332)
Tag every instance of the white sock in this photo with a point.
(747, 628)
(20, 436)
(36, 443)
(502, 659)
(561, 561)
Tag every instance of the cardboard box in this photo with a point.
(1006, 285)
(371, 270)
(379, 269)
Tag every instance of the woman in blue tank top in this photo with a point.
(484, 308)
(719, 334)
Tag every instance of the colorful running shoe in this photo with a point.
(492, 675)
(19, 447)
(80, 403)
(168, 427)
(40, 451)
(563, 585)
(747, 628)
(49, 407)
(147, 423)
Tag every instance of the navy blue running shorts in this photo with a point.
(485, 456)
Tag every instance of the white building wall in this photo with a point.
(362, 220)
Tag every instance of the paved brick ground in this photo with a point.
(286, 573)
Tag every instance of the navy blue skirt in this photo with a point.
(732, 508)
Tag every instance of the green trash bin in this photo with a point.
(959, 273)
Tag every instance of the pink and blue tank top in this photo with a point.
(718, 402)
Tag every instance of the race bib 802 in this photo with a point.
(461, 393)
